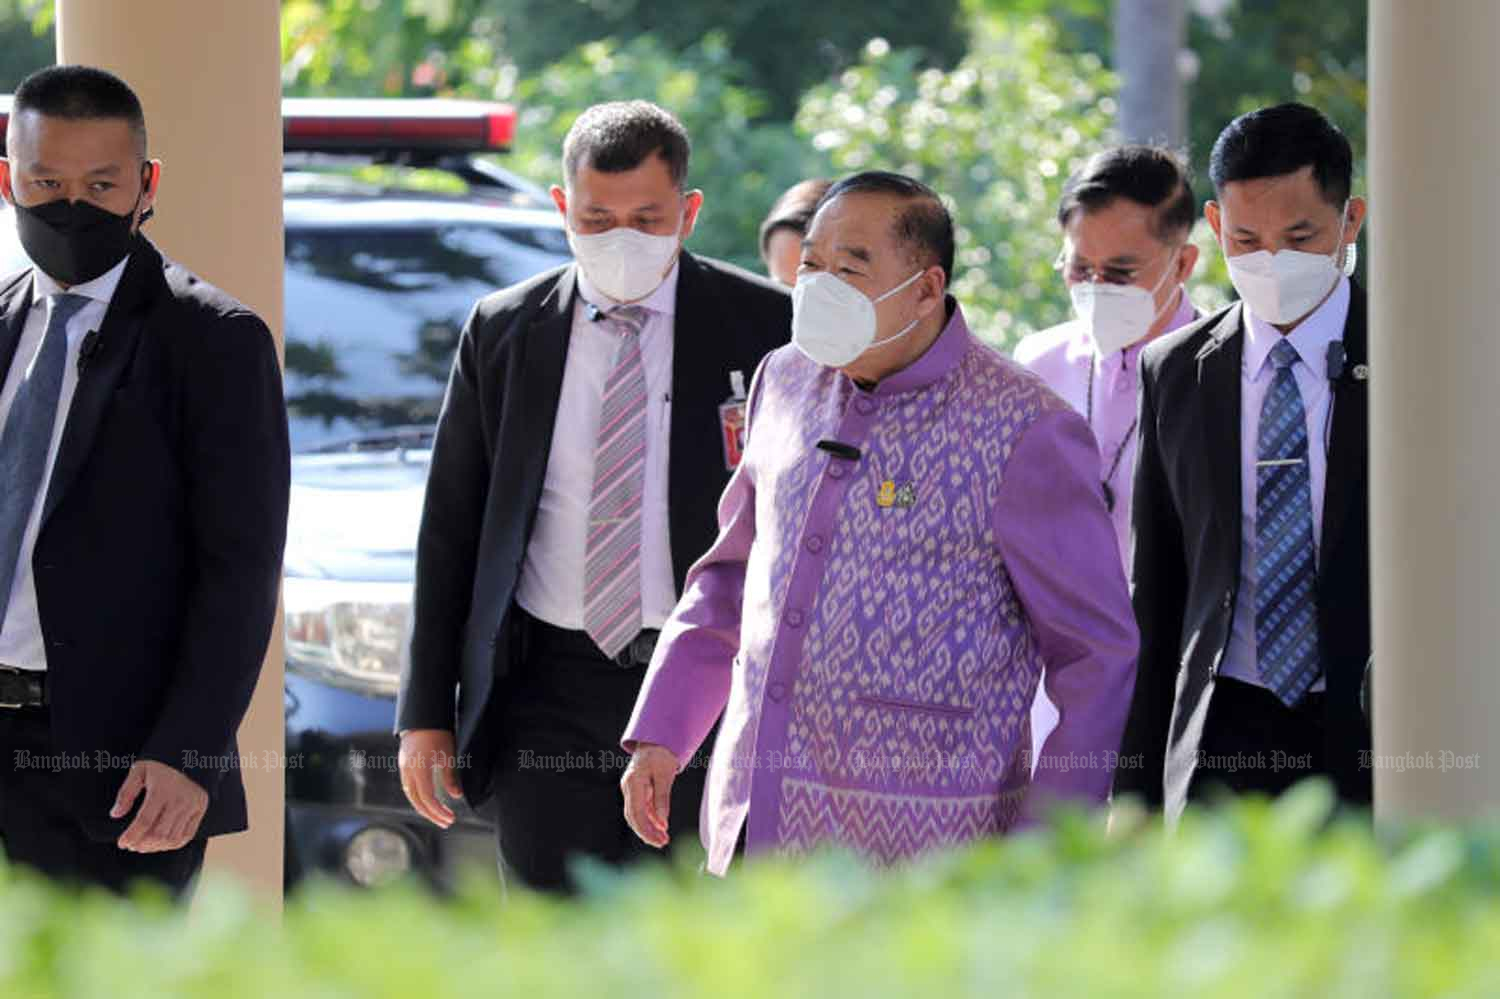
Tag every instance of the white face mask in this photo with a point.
(624, 263)
(1285, 286)
(1117, 315)
(833, 322)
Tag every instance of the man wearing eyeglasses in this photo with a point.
(1126, 218)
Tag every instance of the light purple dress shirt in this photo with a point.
(1311, 339)
(874, 650)
(1062, 357)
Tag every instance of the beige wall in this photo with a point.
(208, 72)
(1435, 355)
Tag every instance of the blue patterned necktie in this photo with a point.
(1286, 612)
(27, 436)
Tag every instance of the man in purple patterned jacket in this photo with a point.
(915, 539)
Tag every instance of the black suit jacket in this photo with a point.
(489, 462)
(1186, 570)
(158, 560)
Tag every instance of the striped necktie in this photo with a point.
(612, 572)
(1286, 611)
(26, 439)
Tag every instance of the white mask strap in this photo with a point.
(903, 284)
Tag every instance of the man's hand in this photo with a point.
(169, 817)
(647, 786)
(422, 749)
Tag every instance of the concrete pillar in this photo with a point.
(209, 75)
(1435, 410)
(1150, 36)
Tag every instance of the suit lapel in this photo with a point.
(1348, 450)
(12, 320)
(1219, 364)
(117, 338)
(699, 385)
(544, 355)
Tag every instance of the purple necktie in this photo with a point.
(612, 573)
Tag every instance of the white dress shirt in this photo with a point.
(21, 642)
(552, 576)
(1311, 339)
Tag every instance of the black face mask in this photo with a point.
(74, 242)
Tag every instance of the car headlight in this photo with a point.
(349, 634)
(376, 855)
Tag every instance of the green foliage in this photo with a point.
(785, 46)
(1256, 53)
(997, 136)
(1262, 901)
(26, 40)
(388, 48)
(740, 161)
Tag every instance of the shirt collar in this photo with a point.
(942, 357)
(663, 300)
(1310, 338)
(101, 289)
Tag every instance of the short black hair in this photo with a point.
(81, 92)
(924, 226)
(794, 209)
(1276, 141)
(621, 135)
(1147, 175)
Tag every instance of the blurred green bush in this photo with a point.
(997, 136)
(1257, 901)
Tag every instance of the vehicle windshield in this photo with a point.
(373, 316)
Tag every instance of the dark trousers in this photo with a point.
(557, 774)
(39, 827)
(1253, 743)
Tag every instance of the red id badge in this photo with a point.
(732, 421)
(732, 429)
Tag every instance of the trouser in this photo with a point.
(39, 827)
(1253, 743)
(557, 774)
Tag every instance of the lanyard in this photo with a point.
(1114, 465)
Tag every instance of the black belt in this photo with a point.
(543, 636)
(22, 688)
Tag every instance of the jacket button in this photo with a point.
(794, 618)
(1228, 601)
(777, 692)
(815, 544)
(865, 406)
(836, 471)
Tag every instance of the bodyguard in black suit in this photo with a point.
(143, 494)
(1254, 611)
(584, 441)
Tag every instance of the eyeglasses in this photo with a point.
(1077, 273)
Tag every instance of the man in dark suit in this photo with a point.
(143, 495)
(1251, 560)
(592, 420)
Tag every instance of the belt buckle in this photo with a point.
(638, 652)
(20, 675)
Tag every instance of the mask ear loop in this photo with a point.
(147, 215)
(1351, 251)
(1163, 310)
